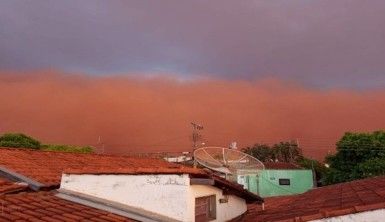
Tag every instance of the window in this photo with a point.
(205, 208)
(284, 182)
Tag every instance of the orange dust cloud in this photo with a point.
(137, 114)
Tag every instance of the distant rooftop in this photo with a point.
(281, 165)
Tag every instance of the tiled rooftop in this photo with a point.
(46, 167)
(45, 206)
(280, 166)
(329, 201)
(173, 169)
(7, 186)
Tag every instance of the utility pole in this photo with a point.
(195, 137)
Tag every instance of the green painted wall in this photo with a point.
(267, 184)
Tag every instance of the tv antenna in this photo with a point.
(195, 134)
(228, 161)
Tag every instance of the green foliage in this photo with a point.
(18, 140)
(67, 148)
(286, 152)
(260, 151)
(372, 167)
(359, 155)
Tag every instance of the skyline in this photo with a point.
(134, 71)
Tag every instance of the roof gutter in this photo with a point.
(12, 175)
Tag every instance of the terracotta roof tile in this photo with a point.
(329, 201)
(281, 165)
(7, 186)
(56, 209)
(47, 167)
(135, 170)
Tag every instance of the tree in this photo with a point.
(286, 152)
(260, 151)
(281, 152)
(359, 155)
(67, 148)
(17, 140)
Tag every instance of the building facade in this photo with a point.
(279, 179)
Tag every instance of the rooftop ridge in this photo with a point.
(73, 153)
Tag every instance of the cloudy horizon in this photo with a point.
(320, 44)
(134, 71)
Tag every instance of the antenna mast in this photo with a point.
(195, 137)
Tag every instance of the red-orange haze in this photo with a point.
(153, 114)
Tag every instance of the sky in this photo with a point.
(322, 44)
(134, 74)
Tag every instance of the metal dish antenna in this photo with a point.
(228, 161)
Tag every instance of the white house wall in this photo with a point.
(168, 195)
(225, 211)
(163, 194)
(368, 216)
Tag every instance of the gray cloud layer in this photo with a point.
(324, 43)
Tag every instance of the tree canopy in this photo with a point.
(67, 148)
(281, 152)
(359, 155)
(18, 140)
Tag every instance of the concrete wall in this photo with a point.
(369, 216)
(163, 194)
(267, 184)
(225, 211)
(167, 195)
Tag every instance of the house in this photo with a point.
(355, 201)
(94, 187)
(278, 179)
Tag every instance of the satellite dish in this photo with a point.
(228, 161)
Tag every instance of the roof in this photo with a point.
(281, 166)
(111, 169)
(46, 167)
(43, 169)
(45, 206)
(235, 189)
(329, 201)
(7, 186)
